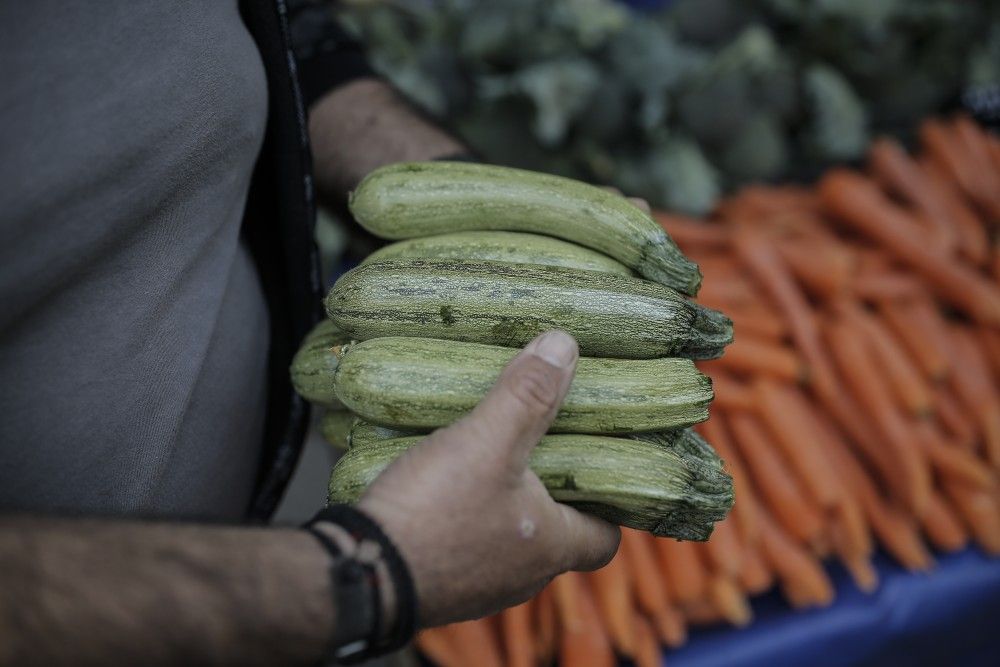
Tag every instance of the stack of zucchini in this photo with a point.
(487, 258)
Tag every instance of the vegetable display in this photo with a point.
(491, 257)
(863, 413)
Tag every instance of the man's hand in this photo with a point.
(476, 526)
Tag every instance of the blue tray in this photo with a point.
(948, 617)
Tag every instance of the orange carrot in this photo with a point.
(702, 612)
(856, 362)
(803, 579)
(920, 329)
(973, 243)
(518, 635)
(671, 626)
(989, 342)
(688, 232)
(724, 550)
(612, 588)
(729, 600)
(584, 642)
(755, 577)
(754, 356)
(892, 527)
(476, 642)
(772, 273)
(850, 532)
(974, 386)
(779, 488)
(980, 511)
(683, 570)
(886, 285)
(949, 461)
(821, 266)
(902, 176)
(973, 147)
(745, 512)
(942, 525)
(546, 625)
(952, 416)
(436, 645)
(946, 147)
(729, 393)
(647, 652)
(649, 586)
(789, 416)
(759, 322)
(902, 375)
(856, 201)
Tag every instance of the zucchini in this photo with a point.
(509, 304)
(423, 383)
(335, 427)
(313, 365)
(365, 433)
(684, 441)
(407, 200)
(625, 481)
(513, 247)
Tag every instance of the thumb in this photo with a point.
(518, 410)
(589, 542)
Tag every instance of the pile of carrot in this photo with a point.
(859, 406)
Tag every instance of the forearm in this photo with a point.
(100, 592)
(365, 124)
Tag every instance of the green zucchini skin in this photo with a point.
(407, 200)
(511, 247)
(625, 481)
(336, 426)
(423, 383)
(509, 304)
(684, 441)
(314, 363)
(365, 433)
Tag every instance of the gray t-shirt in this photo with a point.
(133, 328)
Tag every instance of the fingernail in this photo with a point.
(556, 348)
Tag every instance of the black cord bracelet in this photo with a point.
(363, 529)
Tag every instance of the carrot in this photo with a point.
(942, 525)
(755, 576)
(953, 417)
(583, 642)
(893, 528)
(922, 331)
(885, 285)
(747, 355)
(802, 578)
(545, 623)
(772, 273)
(856, 362)
(949, 461)
(973, 148)
(745, 511)
(789, 416)
(974, 386)
(989, 342)
(612, 588)
(649, 586)
(436, 645)
(476, 643)
(980, 512)
(973, 243)
(901, 175)
(729, 600)
(702, 612)
(671, 626)
(850, 532)
(778, 486)
(821, 266)
(946, 147)
(682, 569)
(904, 378)
(757, 321)
(729, 393)
(518, 635)
(856, 201)
(647, 652)
(723, 549)
(687, 232)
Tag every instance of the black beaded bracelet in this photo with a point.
(349, 573)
